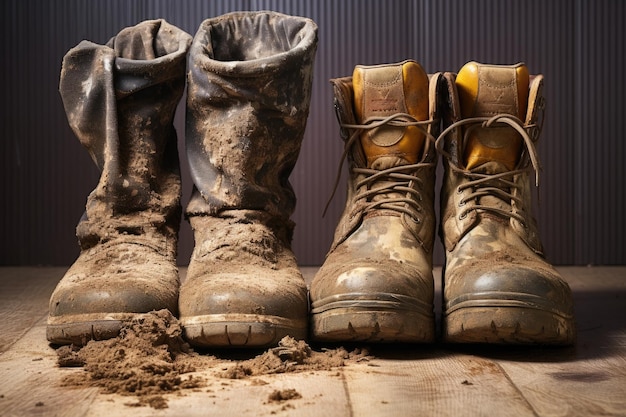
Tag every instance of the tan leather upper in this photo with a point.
(454, 227)
(385, 90)
(488, 90)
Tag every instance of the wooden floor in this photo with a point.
(435, 380)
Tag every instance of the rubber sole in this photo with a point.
(240, 330)
(354, 324)
(508, 325)
(375, 317)
(79, 329)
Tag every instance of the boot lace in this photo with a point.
(500, 185)
(393, 182)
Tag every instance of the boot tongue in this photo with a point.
(485, 91)
(384, 90)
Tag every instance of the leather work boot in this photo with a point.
(376, 283)
(498, 288)
(120, 100)
(249, 88)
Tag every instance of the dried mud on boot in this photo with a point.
(149, 360)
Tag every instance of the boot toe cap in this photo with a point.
(247, 308)
(510, 285)
(372, 302)
(228, 293)
(102, 289)
(508, 304)
(362, 280)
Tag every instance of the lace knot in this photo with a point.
(399, 177)
(501, 185)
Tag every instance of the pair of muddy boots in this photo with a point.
(376, 283)
(248, 91)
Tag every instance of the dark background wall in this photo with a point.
(45, 175)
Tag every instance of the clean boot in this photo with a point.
(498, 288)
(120, 100)
(376, 283)
(249, 87)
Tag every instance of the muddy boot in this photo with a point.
(498, 288)
(376, 283)
(120, 100)
(249, 87)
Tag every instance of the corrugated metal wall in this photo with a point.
(578, 45)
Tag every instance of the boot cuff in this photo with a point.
(152, 50)
(243, 43)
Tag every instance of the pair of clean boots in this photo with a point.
(376, 283)
(248, 84)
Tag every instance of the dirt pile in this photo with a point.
(147, 359)
(150, 359)
(293, 356)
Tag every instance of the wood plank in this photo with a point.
(31, 386)
(433, 383)
(322, 394)
(589, 379)
(586, 380)
(574, 388)
(24, 296)
(308, 272)
(30, 383)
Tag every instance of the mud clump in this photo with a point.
(284, 395)
(293, 355)
(147, 359)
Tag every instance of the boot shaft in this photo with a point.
(485, 91)
(120, 100)
(489, 151)
(386, 90)
(403, 138)
(249, 88)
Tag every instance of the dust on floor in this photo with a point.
(150, 359)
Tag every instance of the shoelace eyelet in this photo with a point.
(415, 220)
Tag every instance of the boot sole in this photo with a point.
(373, 317)
(371, 320)
(240, 330)
(508, 325)
(79, 329)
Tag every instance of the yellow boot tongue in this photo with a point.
(485, 91)
(384, 90)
